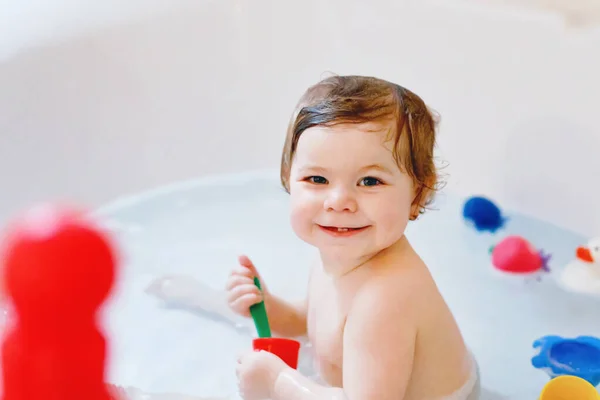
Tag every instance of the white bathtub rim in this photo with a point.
(238, 178)
(228, 178)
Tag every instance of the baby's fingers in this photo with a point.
(243, 271)
(238, 280)
(247, 291)
(243, 303)
(249, 265)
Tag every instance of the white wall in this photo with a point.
(100, 100)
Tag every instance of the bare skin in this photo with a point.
(380, 329)
(379, 326)
(390, 309)
(286, 318)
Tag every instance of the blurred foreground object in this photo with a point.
(57, 269)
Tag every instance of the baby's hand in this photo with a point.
(241, 291)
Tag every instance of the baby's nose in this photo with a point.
(340, 200)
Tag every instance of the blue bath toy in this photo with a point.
(561, 356)
(483, 214)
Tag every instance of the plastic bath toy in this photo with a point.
(259, 315)
(58, 269)
(582, 275)
(286, 349)
(515, 256)
(567, 387)
(559, 356)
(483, 214)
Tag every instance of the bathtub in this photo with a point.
(196, 229)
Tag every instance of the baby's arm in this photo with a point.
(379, 343)
(287, 318)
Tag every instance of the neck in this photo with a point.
(338, 267)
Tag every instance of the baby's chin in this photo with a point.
(351, 254)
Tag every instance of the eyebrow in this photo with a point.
(377, 167)
(312, 167)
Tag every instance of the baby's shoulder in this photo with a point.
(386, 303)
(398, 286)
(409, 275)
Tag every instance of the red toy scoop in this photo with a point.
(57, 269)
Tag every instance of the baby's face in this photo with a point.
(349, 198)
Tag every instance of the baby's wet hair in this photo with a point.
(362, 99)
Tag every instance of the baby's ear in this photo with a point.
(424, 192)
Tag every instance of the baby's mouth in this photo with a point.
(339, 229)
(333, 228)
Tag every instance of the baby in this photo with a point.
(358, 165)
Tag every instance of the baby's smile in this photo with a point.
(338, 231)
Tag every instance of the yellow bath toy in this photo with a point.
(568, 387)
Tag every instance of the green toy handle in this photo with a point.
(259, 315)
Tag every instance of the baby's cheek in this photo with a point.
(395, 213)
(394, 216)
(300, 218)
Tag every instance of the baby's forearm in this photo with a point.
(287, 319)
(292, 385)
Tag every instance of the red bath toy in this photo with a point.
(286, 349)
(515, 255)
(57, 269)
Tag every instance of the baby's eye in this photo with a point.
(369, 181)
(317, 180)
